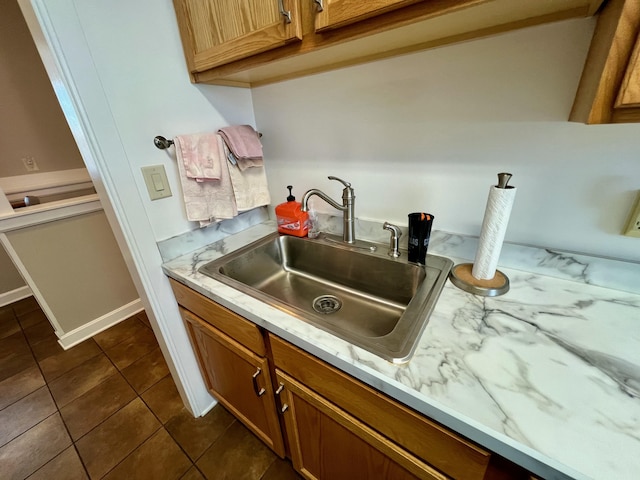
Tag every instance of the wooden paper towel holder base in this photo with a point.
(462, 278)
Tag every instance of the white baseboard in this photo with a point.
(213, 403)
(14, 295)
(96, 326)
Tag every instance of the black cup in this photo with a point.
(419, 234)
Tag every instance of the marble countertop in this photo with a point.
(547, 375)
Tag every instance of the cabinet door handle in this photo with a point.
(256, 388)
(319, 6)
(284, 407)
(285, 13)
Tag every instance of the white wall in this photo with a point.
(138, 56)
(31, 121)
(124, 81)
(77, 268)
(429, 131)
(10, 278)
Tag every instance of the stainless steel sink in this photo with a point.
(379, 303)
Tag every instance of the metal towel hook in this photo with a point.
(162, 143)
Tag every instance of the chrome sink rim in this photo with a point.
(399, 344)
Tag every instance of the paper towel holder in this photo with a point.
(461, 277)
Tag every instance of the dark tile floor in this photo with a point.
(108, 408)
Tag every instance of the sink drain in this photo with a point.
(327, 304)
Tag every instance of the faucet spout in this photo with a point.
(347, 208)
(314, 191)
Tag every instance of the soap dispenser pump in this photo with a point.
(291, 219)
(290, 198)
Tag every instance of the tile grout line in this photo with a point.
(103, 351)
(275, 458)
(121, 341)
(46, 384)
(58, 408)
(175, 440)
(205, 450)
(17, 373)
(190, 463)
(137, 395)
(32, 426)
(193, 462)
(131, 452)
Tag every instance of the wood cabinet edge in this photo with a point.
(606, 64)
(245, 72)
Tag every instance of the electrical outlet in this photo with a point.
(633, 224)
(30, 164)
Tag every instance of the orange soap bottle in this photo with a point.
(291, 219)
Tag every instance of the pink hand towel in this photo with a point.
(250, 187)
(210, 201)
(200, 154)
(244, 143)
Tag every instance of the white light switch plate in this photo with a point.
(155, 178)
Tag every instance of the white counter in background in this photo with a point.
(547, 375)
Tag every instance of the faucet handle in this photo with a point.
(346, 184)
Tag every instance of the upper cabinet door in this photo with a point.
(217, 32)
(338, 13)
(629, 95)
(609, 90)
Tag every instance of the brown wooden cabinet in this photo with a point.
(336, 426)
(217, 32)
(339, 13)
(417, 436)
(238, 378)
(327, 442)
(250, 42)
(629, 95)
(609, 90)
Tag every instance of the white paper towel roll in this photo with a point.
(494, 226)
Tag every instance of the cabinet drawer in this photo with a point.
(238, 328)
(426, 439)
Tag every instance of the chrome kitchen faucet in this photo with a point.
(347, 207)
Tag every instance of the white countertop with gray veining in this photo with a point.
(547, 375)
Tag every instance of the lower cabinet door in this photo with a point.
(327, 443)
(238, 378)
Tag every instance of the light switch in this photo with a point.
(155, 178)
(157, 182)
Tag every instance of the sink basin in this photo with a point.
(362, 296)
